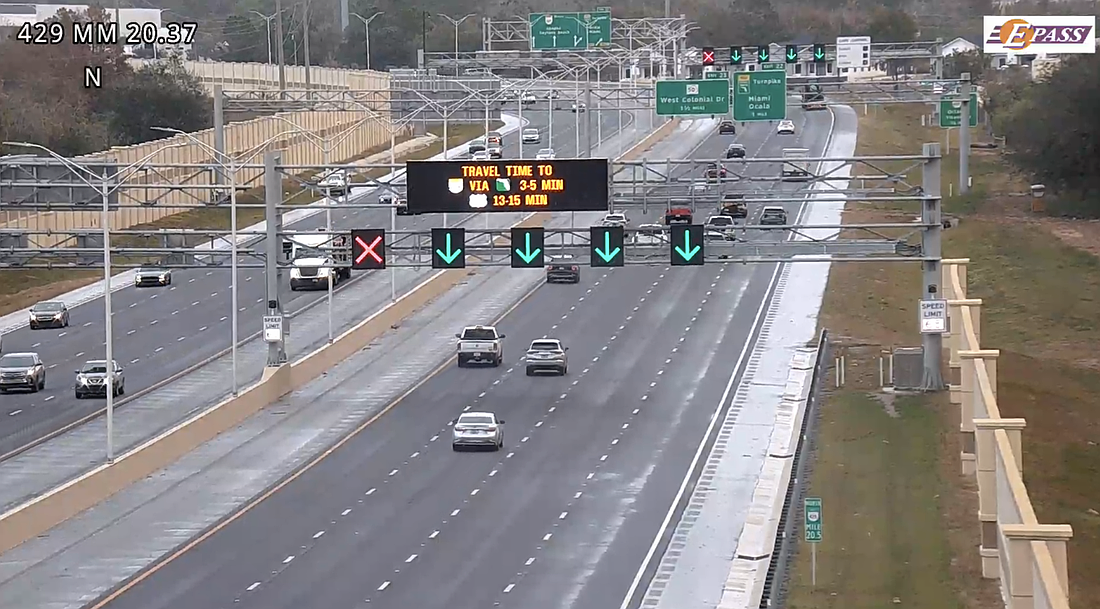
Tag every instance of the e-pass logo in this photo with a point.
(1054, 35)
(692, 90)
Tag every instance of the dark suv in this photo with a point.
(726, 128)
(563, 270)
(49, 314)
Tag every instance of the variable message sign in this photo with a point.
(692, 97)
(569, 31)
(951, 111)
(518, 185)
(758, 96)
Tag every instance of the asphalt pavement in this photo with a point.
(565, 514)
(160, 332)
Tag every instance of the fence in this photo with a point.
(243, 138)
(1029, 558)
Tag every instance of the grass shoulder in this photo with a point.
(906, 522)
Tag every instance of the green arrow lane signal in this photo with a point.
(819, 52)
(735, 56)
(527, 248)
(762, 54)
(792, 53)
(686, 243)
(447, 246)
(606, 245)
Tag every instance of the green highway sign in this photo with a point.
(569, 31)
(686, 244)
(606, 246)
(951, 111)
(773, 66)
(757, 96)
(692, 97)
(527, 248)
(715, 75)
(447, 244)
(811, 507)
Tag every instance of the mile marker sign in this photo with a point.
(811, 506)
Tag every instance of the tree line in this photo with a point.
(43, 98)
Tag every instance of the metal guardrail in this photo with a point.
(786, 541)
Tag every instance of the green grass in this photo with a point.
(879, 482)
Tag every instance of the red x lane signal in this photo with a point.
(368, 249)
(708, 56)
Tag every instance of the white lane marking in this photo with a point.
(411, 558)
(202, 329)
(318, 534)
(434, 438)
(414, 455)
(547, 536)
(371, 491)
(578, 495)
(474, 492)
(181, 339)
(158, 350)
(530, 561)
(195, 304)
(509, 455)
(49, 398)
(615, 441)
(539, 424)
(223, 318)
(603, 458)
(625, 425)
(508, 588)
(492, 473)
(433, 535)
(345, 512)
(133, 305)
(152, 297)
(52, 366)
(562, 515)
(131, 332)
(702, 445)
(175, 312)
(552, 409)
(87, 323)
(155, 321)
(191, 280)
(590, 476)
(254, 586)
(525, 438)
(134, 361)
(14, 412)
(393, 472)
(62, 334)
(288, 559)
(385, 584)
(214, 294)
(455, 513)
(77, 355)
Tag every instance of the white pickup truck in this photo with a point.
(480, 344)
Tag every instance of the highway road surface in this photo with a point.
(563, 517)
(162, 331)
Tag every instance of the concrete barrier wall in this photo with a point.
(1029, 558)
(266, 76)
(348, 134)
(38, 516)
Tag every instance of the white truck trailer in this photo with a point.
(795, 167)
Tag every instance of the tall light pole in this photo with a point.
(268, 19)
(366, 26)
(102, 185)
(456, 23)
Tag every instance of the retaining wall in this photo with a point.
(1028, 557)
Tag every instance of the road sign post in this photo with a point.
(811, 508)
(933, 316)
(569, 31)
(758, 96)
(685, 244)
(527, 248)
(447, 245)
(606, 246)
(951, 111)
(368, 249)
(692, 97)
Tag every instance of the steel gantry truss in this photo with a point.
(667, 183)
(880, 51)
(628, 33)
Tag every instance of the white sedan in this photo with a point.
(785, 128)
(531, 136)
(545, 154)
(480, 155)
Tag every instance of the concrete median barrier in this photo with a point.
(39, 515)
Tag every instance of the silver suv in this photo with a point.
(91, 379)
(476, 430)
(22, 371)
(547, 355)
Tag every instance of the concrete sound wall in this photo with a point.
(350, 134)
(1029, 558)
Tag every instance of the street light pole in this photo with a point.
(366, 27)
(268, 19)
(456, 23)
(328, 231)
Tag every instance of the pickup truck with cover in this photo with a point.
(480, 344)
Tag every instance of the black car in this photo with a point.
(727, 128)
(49, 314)
(563, 270)
(735, 151)
(773, 216)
